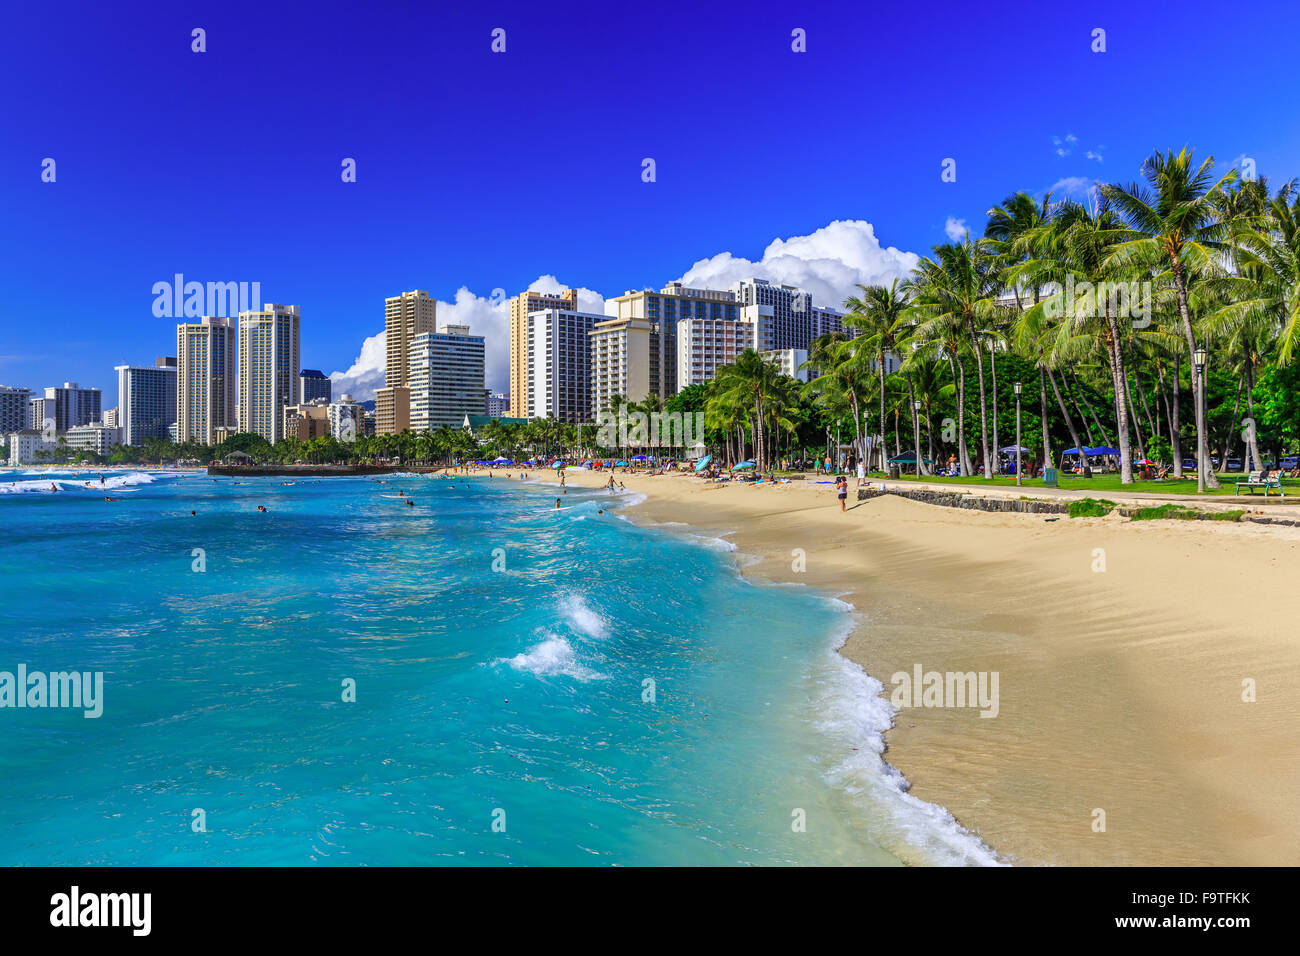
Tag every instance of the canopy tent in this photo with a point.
(1099, 450)
(907, 458)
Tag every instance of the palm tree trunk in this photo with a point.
(1208, 478)
(984, 412)
(959, 376)
(1227, 435)
(1252, 437)
(921, 468)
(993, 370)
(1065, 413)
(1042, 414)
(1119, 382)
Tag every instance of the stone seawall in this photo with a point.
(945, 499)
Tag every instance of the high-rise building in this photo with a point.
(307, 420)
(13, 409)
(665, 309)
(71, 405)
(405, 317)
(205, 378)
(347, 419)
(29, 445)
(36, 417)
(146, 400)
(498, 405)
(446, 377)
(705, 345)
(521, 307)
(783, 316)
(314, 384)
(559, 364)
(110, 417)
(788, 362)
(269, 349)
(621, 362)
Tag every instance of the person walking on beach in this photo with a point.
(862, 473)
(841, 489)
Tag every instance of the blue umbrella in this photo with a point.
(703, 463)
(620, 464)
(743, 465)
(558, 465)
(638, 457)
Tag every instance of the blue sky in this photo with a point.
(480, 171)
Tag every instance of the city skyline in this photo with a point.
(805, 189)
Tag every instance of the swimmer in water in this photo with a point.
(192, 514)
(261, 508)
(410, 502)
(53, 486)
(107, 498)
(557, 502)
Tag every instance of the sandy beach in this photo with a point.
(1122, 649)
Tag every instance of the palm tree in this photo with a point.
(755, 378)
(877, 313)
(954, 299)
(1179, 231)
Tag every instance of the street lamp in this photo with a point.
(1200, 357)
(1017, 434)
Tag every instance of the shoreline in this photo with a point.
(1121, 691)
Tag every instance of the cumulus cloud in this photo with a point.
(955, 229)
(488, 316)
(1075, 187)
(829, 263)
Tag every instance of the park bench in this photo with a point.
(1259, 479)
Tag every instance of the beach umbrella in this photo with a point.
(501, 461)
(743, 465)
(1012, 449)
(906, 458)
(703, 463)
(1144, 461)
(558, 465)
(620, 464)
(638, 458)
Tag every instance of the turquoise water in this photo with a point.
(500, 651)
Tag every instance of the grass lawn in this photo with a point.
(1110, 483)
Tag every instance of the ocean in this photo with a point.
(475, 678)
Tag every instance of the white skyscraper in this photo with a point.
(559, 364)
(268, 368)
(205, 379)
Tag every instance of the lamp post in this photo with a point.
(1200, 358)
(1017, 434)
(916, 433)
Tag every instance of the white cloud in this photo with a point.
(483, 316)
(1092, 155)
(1075, 187)
(955, 229)
(829, 263)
